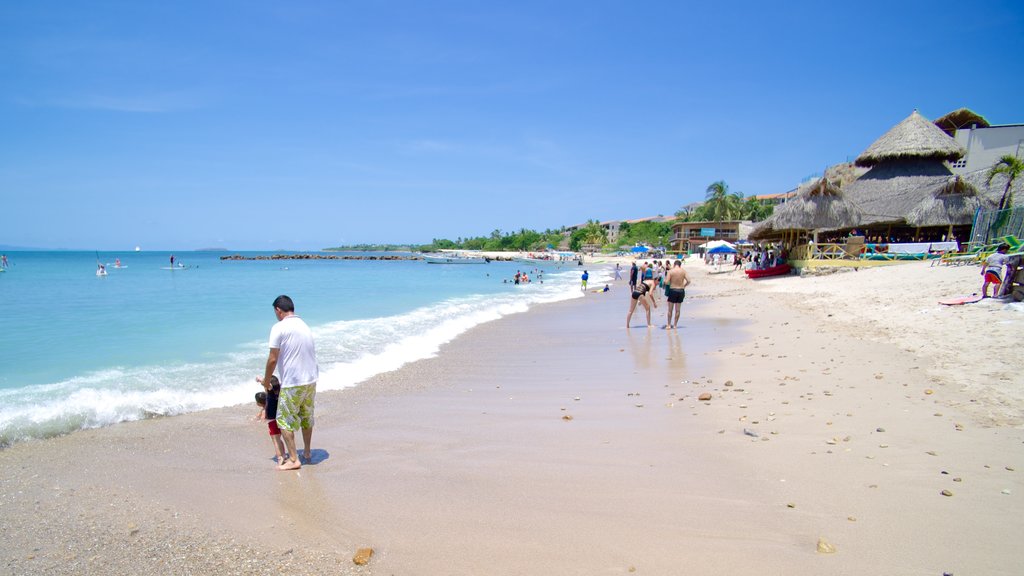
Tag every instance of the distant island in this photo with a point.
(381, 248)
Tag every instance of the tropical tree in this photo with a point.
(591, 233)
(684, 214)
(1011, 167)
(753, 209)
(720, 204)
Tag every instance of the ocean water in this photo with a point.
(84, 351)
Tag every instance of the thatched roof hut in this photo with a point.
(819, 206)
(909, 184)
(952, 203)
(961, 118)
(913, 138)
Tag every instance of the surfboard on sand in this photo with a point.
(958, 300)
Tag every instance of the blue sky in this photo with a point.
(301, 125)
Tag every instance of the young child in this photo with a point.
(268, 411)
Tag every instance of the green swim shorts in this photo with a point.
(295, 407)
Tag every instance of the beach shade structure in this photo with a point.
(952, 203)
(713, 244)
(725, 249)
(638, 249)
(913, 138)
(961, 118)
(818, 206)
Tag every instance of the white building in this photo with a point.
(985, 146)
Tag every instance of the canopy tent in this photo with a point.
(640, 249)
(727, 249)
(709, 246)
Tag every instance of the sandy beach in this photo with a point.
(849, 412)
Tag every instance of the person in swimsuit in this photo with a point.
(677, 281)
(642, 294)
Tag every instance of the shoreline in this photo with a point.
(463, 464)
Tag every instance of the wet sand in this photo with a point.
(557, 442)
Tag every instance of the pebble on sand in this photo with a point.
(825, 547)
(704, 396)
(946, 493)
(362, 557)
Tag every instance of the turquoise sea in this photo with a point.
(84, 351)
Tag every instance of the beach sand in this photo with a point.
(558, 442)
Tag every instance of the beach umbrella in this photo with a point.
(640, 248)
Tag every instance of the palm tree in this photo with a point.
(1012, 167)
(722, 205)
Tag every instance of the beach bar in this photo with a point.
(907, 205)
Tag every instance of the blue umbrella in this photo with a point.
(722, 250)
(640, 248)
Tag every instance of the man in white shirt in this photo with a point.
(293, 357)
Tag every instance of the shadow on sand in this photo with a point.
(316, 456)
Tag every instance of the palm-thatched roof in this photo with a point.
(961, 118)
(819, 205)
(913, 138)
(889, 191)
(953, 203)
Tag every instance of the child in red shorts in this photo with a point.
(268, 411)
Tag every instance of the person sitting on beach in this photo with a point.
(267, 401)
(642, 294)
(992, 271)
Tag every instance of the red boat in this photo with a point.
(773, 271)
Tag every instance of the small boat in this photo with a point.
(101, 272)
(773, 271)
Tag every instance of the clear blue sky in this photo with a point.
(301, 125)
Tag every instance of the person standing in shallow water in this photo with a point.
(675, 291)
(293, 357)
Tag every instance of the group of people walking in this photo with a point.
(645, 282)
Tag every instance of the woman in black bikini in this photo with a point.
(641, 293)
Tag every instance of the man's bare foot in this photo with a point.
(307, 456)
(290, 465)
